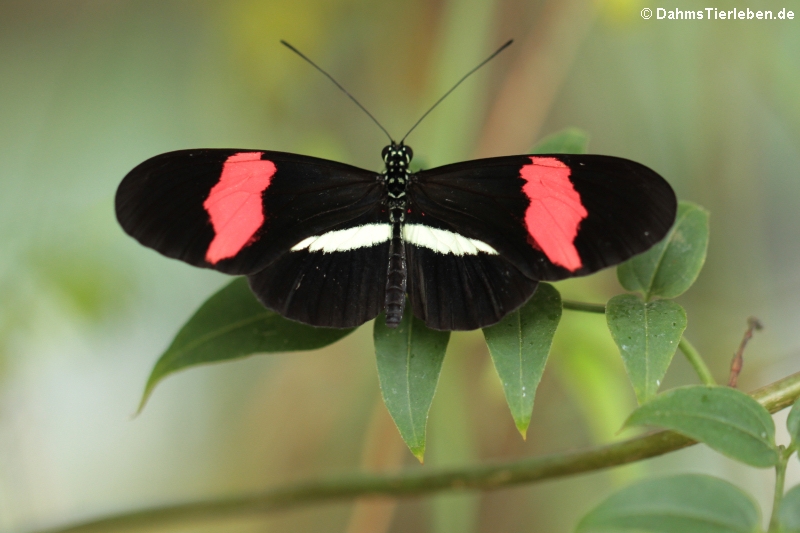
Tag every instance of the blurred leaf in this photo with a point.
(409, 361)
(789, 513)
(91, 285)
(567, 141)
(647, 335)
(671, 266)
(417, 164)
(232, 324)
(519, 345)
(793, 423)
(84, 273)
(686, 503)
(453, 439)
(726, 419)
(587, 363)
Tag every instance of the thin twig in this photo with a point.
(420, 481)
(697, 362)
(780, 481)
(738, 359)
(583, 306)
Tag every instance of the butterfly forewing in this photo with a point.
(238, 211)
(551, 216)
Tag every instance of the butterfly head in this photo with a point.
(397, 157)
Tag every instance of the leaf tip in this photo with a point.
(419, 453)
(140, 408)
(148, 390)
(629, 422)
(522, 427)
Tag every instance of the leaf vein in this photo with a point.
(212, 334)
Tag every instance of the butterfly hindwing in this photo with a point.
(239, 210)
(336, 279)
(450, 291)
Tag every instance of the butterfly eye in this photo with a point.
(409, 153)
(385, 152)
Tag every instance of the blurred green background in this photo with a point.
(88, 89)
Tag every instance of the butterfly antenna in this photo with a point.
(298, 52)
(467, 75)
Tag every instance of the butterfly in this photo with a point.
(333, 245)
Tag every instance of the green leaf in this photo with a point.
(793, 423)
(519, 345)
(647, 335)
(726, 419)
(567, 141)
(686, 503)
(232, 324)
(789, 513)
(409, 361)
(671, 266)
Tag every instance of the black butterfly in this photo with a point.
(333, 245)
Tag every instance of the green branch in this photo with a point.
(419, 481)
(780, 479)
(583, 306)
(696, 361)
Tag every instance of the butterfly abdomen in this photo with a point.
(396, 278)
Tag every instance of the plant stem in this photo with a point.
(780, 477)
(418, 481)
(696, 361)
(583, 306)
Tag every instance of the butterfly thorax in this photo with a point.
(397, 158)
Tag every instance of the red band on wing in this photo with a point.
(555, 211)
(234, 204)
